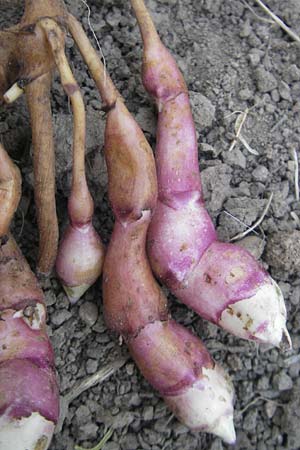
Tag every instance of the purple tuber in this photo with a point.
(29, 397)
(221, 282)
(170, 357)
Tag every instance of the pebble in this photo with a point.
(260, 173)
(83, 413)
(249, 422)
(112, 446)
(91, 366)
(61, 316)
(283, 251)
(50, 298)
(292, 73)
(148, 413)
(245, 94)
(265, 80)
(203, 110)
(88, 312)
(255, 56)
(285, 91)
(129, 442)
(88, 431)
(282, 381)
(295, 295)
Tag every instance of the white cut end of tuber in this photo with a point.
(34, 316)
(13, 93)
(207, 405)
(29, 433)
(261, 317)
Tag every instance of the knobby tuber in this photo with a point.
(172, 359)
(221, 282)
(29, 398)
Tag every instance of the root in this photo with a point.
(80, 203)
(38, 100)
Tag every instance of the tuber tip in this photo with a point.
(74, 293)
(33, 432)
(225, 430)
(261, 317)
(207, 405)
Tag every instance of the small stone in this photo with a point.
(246, 29)
(275, 95)
(129, 442)
(148, 413)
(245, 94)
(260, 173)
(285, 91)
(91, 366)
(50, 298)
(88, 312)
(255, 56)
(235, 157)
(83, 413)
(295, 295)
(112, 446)
(203, 110)
(282, 381)
(292, 74)
(61, 316)
(209, 148)
(266, 82)
(234, 362)
(283, 251)
(270, 408)
(88, 431)
(249, 422)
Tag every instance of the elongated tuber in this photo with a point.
(81, 252)
(221, 282)
(172, 359)
(29, 398)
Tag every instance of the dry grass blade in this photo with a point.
(279, 21)
(83, 385)
(256, 15)
(101, 444)
(295, 157)
(239, 123)
(256, 224)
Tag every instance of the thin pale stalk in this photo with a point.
(83, 208)
(103, 82)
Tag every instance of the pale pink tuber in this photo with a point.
(221, 282)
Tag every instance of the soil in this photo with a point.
(232, 60)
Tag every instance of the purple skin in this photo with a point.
(134, 305)
(27, 375)
(25, 388)
(173, 367)
(20, 341)
(184, 253)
